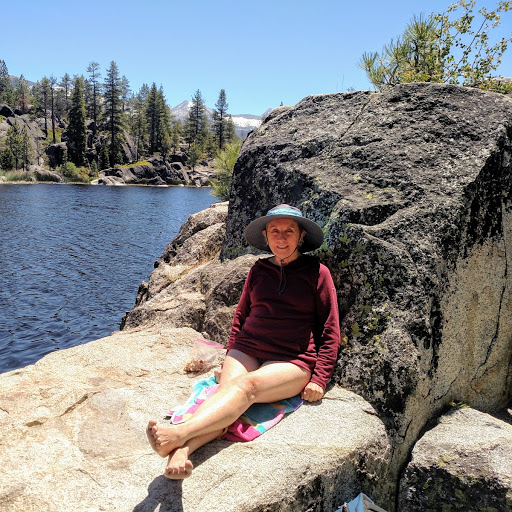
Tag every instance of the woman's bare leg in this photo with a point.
(236, 364)
(273, 381)
(179, 465)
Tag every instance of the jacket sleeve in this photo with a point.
(328, 328)
(242, 310)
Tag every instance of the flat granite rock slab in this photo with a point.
(73, 437)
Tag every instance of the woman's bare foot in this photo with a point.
(179, 465)
(151, 435)
(166, 439)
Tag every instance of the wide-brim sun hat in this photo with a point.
(313, 239)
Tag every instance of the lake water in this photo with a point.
(72, 258)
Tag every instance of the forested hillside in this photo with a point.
(82, 125)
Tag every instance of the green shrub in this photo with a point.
(19, 176)
(94, 170)
(224, 164)
(7, 160)
(74, 174)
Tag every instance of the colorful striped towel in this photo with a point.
(256, 420)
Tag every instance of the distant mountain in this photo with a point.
(244, 123)
(14, 81)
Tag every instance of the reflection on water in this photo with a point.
(72, 258)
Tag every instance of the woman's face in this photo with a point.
(283, 236)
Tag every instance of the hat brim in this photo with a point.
(313, 239)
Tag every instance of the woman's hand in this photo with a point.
(312, 392)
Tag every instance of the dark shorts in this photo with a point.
(297, 362)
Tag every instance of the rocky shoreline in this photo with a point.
(147, 175)
(155, 170)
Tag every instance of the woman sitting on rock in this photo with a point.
(284, 338)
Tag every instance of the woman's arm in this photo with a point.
(329, 329)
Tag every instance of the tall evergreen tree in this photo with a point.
(164, 124)
(65, 83)
(15, 141)
(220, 122)
(176, 136)
(41, 93)
(231, 135)
(52, 82)
(152, 113)
(196, 127)
(138, 129)
(125, 91)
(7, 162)
(22, 94)
(77, 133)
(6, 89)
(26, 148)
(94, 105)
(104, 158)
(113, 114)
(158, 117)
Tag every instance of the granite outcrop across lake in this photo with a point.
(413, 190)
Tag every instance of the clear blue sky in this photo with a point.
(261, 52)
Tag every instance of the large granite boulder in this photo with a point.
(6, 111)
(72, 430)
(463, 463)
(42, 174)
(57, 154)
(413, 190)
(114, 181)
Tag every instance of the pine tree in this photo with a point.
(77, 132)
(138, 129)
(176, 136)
(52, 82)
(7, 161)
(152, 113)
(26, 148)
(113, 114)
(94, 105)
(22, 95)
(224, 165)
(65, 83)
(443, 48)
(6, 89)
(125, 91)
(196, 128)
(104, 157)
(194, 154)
(158, 117)
(231, 135)
(220, 123)
(15, 142)
(41, 93)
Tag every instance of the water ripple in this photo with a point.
(72, 258)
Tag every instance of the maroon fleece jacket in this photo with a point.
(299, 325)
